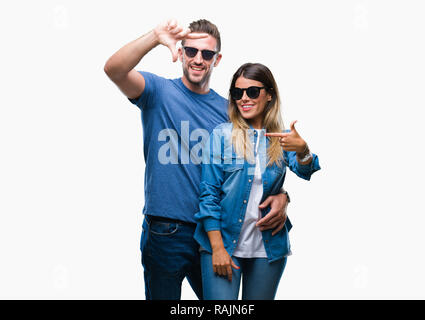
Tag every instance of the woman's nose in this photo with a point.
(245, 96)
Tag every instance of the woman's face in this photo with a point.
(252, 109)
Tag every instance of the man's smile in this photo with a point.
(197, 68)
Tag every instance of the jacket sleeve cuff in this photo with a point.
(211, 224)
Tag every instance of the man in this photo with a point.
(177, 117)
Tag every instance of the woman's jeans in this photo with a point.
(260, 279)
(169, 254)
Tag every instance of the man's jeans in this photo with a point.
(260, 279)
(169, 254)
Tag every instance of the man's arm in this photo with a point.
(276, 218)
(120, 67)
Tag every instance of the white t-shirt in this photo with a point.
(250, 244)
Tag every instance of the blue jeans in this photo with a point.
(260, 279)
(169, 254)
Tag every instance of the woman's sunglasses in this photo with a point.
(252, 92)
(206, 54)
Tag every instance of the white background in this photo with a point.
(71, 164)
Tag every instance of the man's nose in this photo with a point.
(198, 58)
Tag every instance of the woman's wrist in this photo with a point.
(303, 150)
(216, 240)
(217, 247)
(305, 156)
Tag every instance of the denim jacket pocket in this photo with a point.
(232, 171)
(232, 167)
(231, 164)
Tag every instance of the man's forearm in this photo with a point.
(126, 58)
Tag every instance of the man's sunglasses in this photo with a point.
(252, 92)
(192, 52)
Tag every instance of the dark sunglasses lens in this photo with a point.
(190, 52)
(236, 93)
(253, 92)
(207, 54)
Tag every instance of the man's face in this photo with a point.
(197, 70)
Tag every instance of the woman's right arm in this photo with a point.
(212, 178)
(209, 206)
(222, 262)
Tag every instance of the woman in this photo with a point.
(244, 162)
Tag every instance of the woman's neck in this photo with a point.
(256, 124)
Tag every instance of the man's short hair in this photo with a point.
(205, 26)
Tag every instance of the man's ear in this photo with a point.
(217, 60)
(180, 54)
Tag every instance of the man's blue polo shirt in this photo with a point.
(176, 124)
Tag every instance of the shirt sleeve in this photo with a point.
(302, 171)
(152, 86)
(211, 182)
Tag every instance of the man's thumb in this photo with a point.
(265, 203)
(174, 51)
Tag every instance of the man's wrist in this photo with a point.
(283, 191)
(153, 37)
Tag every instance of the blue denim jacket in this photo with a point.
(226, 185)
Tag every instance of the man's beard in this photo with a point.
(205, 78)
